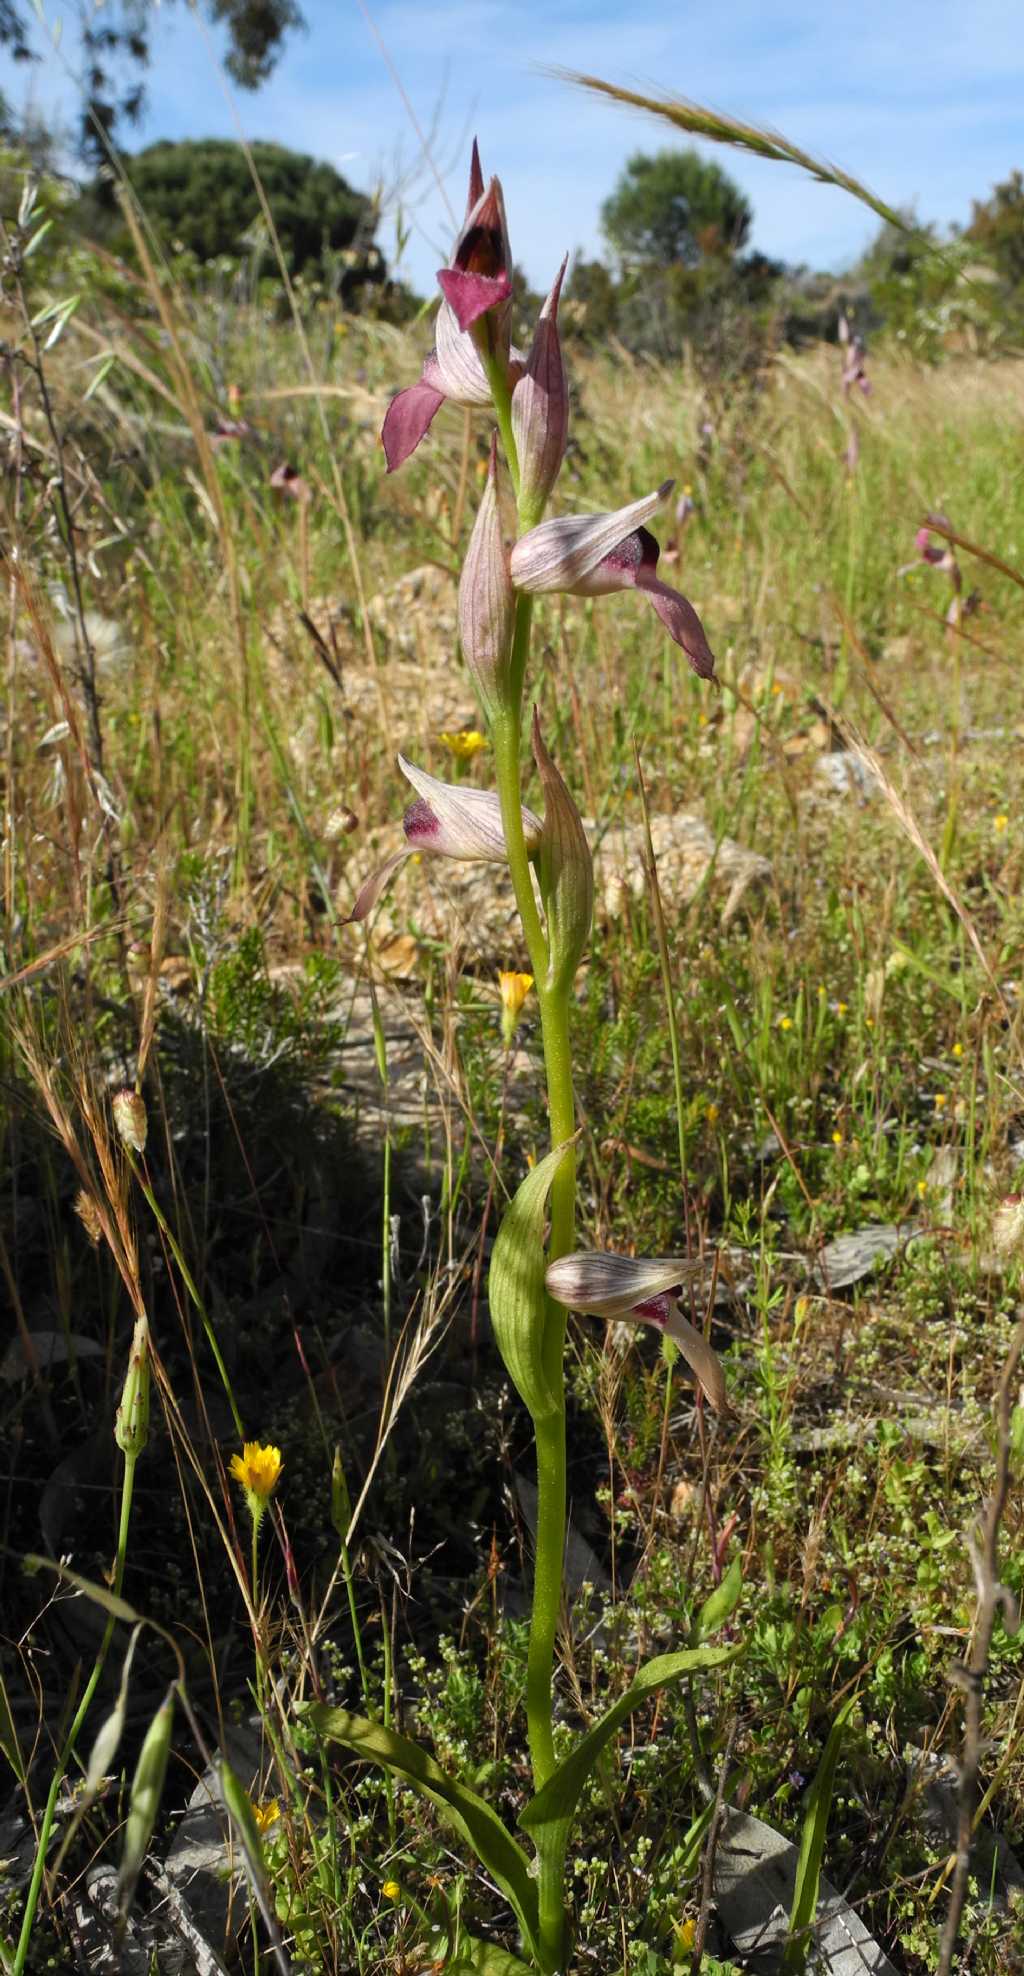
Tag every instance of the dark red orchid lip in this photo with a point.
(658, 1310)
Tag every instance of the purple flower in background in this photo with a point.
(854, 354)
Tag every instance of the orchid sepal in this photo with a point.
(639, 1290)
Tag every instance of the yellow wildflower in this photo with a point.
(785, 1022)
(514, 990)
(257, 1469)
(841, 1008)
(1000, 822)
(464, 742)
(391, 1890)
(685, 1934)
(941, 1101)
(711, 1113)
(266, 1814)
(837, 1137)
(958, 1049)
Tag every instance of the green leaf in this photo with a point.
(723, 1601)
(519, 1301)
(477, 1958)
(498, 1852)
(548, 1817)
(812, 1847)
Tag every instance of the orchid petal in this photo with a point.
(563, 554)
(460, 374)
(701, 1358)
(456, 821)
(601, 1284)
(472, 295)
(408, 418)
(680, 621)
(374, 886)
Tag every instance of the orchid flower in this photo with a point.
(476, 283)
(589, 555)
(640, 1291)
(854, 353)
(447, 820)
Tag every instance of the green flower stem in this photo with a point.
(555, 1005)
(497, 378)
(46, 1825)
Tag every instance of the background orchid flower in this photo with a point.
(590, 555)
(641, 1291)
(447, 820)
(470, 287)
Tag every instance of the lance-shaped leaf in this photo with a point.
(540, 407)
(486, 598)
(641, 1290)
(548, 1816)
(518, 1301)
(477, 1958)
(812, 1846)
(498, 1852)
(566, 869)
(720, 1603)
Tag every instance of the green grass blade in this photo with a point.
(812, 1848)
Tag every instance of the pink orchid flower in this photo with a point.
(640, 1291)
(591, 555)
(447, 820)
(477, 284)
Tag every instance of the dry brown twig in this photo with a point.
(993, 1598)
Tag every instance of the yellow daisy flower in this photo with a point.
(391, 1890)
(266, 1814)
(257, 1469)
(464, 743)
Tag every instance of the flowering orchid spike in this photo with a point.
(486, 597)
(640, 1291)
(478, 278)
(590, 555)
(447, 820)
(540, 407)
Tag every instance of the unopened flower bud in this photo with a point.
(130, 1120)
(514, 989)
(566, 869)
(486, 597)
(341, 1504)
(144, 1803)
(131, 1422)
(540, 409)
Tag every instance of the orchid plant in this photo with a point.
(537, 1273)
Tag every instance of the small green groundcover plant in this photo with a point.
(537, 1274)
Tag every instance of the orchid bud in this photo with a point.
(486, 597)
(566, 870)
(540, 409)
(131, 1422)
(590, 555)
(130, 1119)
(641, 1291)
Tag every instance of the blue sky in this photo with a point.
(922, 99)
